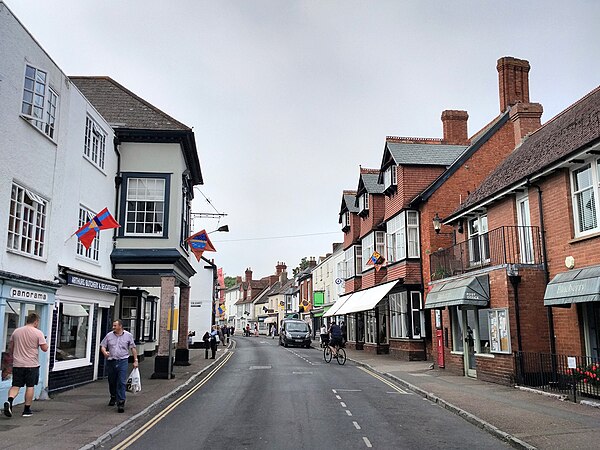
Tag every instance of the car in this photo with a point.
(294, 332)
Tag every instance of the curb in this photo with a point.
(119, 428)
(474, 420)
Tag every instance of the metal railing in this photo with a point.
(503, 245)
(572, 376)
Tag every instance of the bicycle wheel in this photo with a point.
(327, 354)
(341, 356)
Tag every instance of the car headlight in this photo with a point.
(307, 335)
(288, 335)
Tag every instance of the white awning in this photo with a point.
(367, 299)
(68, 309)
(337, 305)
(272, 319)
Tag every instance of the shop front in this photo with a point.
(19, 296)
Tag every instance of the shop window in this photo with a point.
(129, 313)
(418, 315)
(499, 333)
(351, 331)
(73, 332)
(370, 327)
(456, 321)
(15, 315)
(150, 320)
(399, 315)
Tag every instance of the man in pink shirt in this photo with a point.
(24, 344)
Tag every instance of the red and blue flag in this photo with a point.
(101, 221)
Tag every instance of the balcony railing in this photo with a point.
(503, 245)
(571, 376)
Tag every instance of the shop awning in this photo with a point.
(74, 310)
(465, 291)
(337, 305)
(574, 286)
(367, 299)
(272, 319)
(321, 311)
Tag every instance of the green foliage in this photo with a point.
(230, 282)
(303, 265)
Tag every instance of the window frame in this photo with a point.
(78, 362)
(91, 254)
(123, 209)
(594, 167)
(363, 203)
(352, 261)
(94, 143)
(46, 122)
(496, 312)
(37, 212)
(390, 177)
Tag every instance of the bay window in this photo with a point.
(146, 209)
(403, 236)
(352, 261)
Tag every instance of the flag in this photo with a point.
(101, 221)
(200, 243)
(377, 260)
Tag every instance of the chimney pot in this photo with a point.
(455, 127)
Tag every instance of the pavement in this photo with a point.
(80, 418)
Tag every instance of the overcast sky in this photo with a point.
(288, 98)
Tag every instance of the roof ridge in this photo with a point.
(132, 94)
(413, 140)
(349, 192)
(364, 170)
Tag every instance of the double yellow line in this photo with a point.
(147, 426)
(380, 378)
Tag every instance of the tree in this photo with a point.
(303, 265)
(230, 282)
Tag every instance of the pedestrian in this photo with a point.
(248, 330)
(344, 335)
(206, 340)
(214, 341)
(255, 330)
(232, 330)
(23, 347)
(272, 331)
(226, 333)
(221, 335)
(115, 347)
(190, 339)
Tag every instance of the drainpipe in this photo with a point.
(118, 181)
(545, 264)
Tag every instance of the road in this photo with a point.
(263, 396)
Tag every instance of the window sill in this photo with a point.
(96, 166)
(454, 352)
(73, 364)
(484, 355)
(584, 238)
(27, 255)
(88, 260)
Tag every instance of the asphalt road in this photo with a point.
(263, 396)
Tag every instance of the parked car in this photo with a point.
(294, 332)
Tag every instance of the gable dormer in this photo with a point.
(367, 186)
(347, 209)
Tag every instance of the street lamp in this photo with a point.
(437, 224)
(222, 228)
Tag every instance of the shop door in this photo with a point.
(469, 337)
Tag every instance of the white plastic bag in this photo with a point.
(134, 382)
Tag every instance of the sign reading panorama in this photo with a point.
(88, 283)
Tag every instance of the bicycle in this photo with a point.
(340, 355)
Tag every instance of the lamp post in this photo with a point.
(437, 223)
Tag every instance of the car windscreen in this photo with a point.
(297, 326)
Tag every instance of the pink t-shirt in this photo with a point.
(26, 341)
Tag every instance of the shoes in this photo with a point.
(112, 401)
(121, 407)
(7, 409)
(27, 413)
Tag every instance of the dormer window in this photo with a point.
(363, 204)
(389, 178)
(346, 221)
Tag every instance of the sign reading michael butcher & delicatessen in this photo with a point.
(77, 280)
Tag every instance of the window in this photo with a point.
(417, 315)
(346, 220)
(352, 261)
(363, 203)
(412, 228)
(26, 222)
(129, 310)
(94, 147)
(150, 320)
(389, 177)
(396, 238)
(499, 335)
(368, 244)
(399, 315)
(456, 321)
(370, 327)
(145, 206)
(40, 102)
(585, 197)
(73, 331)
(85, 215)
(15, 315)
(479, 246)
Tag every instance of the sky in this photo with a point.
(287, 99)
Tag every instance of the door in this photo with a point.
(470, 331)
(525, 236)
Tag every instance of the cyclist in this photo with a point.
(335, 337)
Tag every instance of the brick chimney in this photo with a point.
(312, 262)
(283, 277)
(248, 275)
(513, 81)
(280, 267)
(455, 127)
(526, 118)
(238, 280)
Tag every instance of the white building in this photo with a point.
(58, 166)
(327, 282)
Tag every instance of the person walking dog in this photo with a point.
(115, 347)
(23, 347)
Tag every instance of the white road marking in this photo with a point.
(342, 404)
(302, 373)
(338, 397)
(367, 442)
(348, 412)
(346, 390)
(334, 391)
(356, 425)
(259, 367)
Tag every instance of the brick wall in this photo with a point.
(372, 277)
(375, 215)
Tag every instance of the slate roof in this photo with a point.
(421, 153)
(557, 140)
(122, 108)
(368, 182)
(348, 201)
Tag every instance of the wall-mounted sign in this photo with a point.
(27, 294)
(89, 283)
(195, 304)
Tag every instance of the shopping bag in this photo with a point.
(134, 382)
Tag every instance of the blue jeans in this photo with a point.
(117, 378)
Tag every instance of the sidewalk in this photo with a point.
(524, 419)
(75, 418)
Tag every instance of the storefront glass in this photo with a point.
(74, 322)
